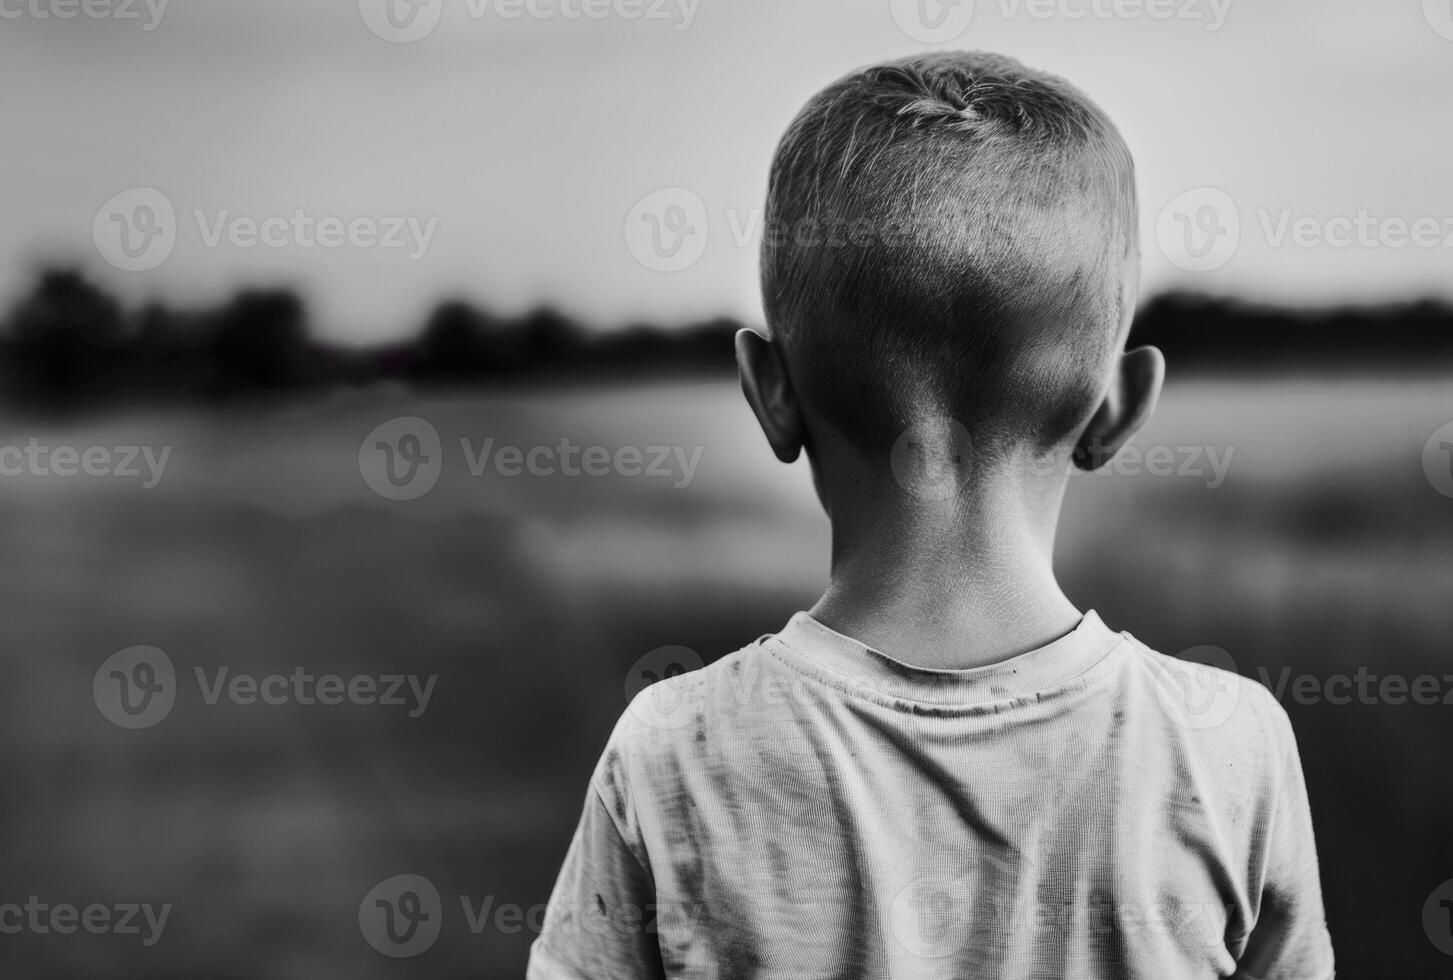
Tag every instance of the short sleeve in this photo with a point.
(600, 923)
(1289, 940)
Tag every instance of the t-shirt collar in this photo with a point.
(1039, 671)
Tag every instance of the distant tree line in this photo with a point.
(1204, 333)
(68, 344)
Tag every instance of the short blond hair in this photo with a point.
(950, 232)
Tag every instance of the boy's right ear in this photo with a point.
(1134, 390)
(769, 392)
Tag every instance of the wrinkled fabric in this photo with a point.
(810, 808)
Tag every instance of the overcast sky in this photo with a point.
(520, 147)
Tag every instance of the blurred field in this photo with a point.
(1326, 548)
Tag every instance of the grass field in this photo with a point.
(1324, 549)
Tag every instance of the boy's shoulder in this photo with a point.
(1202, 695)
(676, 723)
(754, 694)
(689, 701)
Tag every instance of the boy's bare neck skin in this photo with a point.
(961, 576)
(946, 584)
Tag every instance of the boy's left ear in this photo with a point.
(1128, 404)
(769, 392)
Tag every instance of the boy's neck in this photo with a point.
(948, 587)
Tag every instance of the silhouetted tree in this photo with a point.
(65, 338)
(262, 343)
(454, 345)
(549, 340)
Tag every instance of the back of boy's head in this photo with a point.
(951, 235)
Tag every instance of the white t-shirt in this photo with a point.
(810, 808)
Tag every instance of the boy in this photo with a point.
(945, 770)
